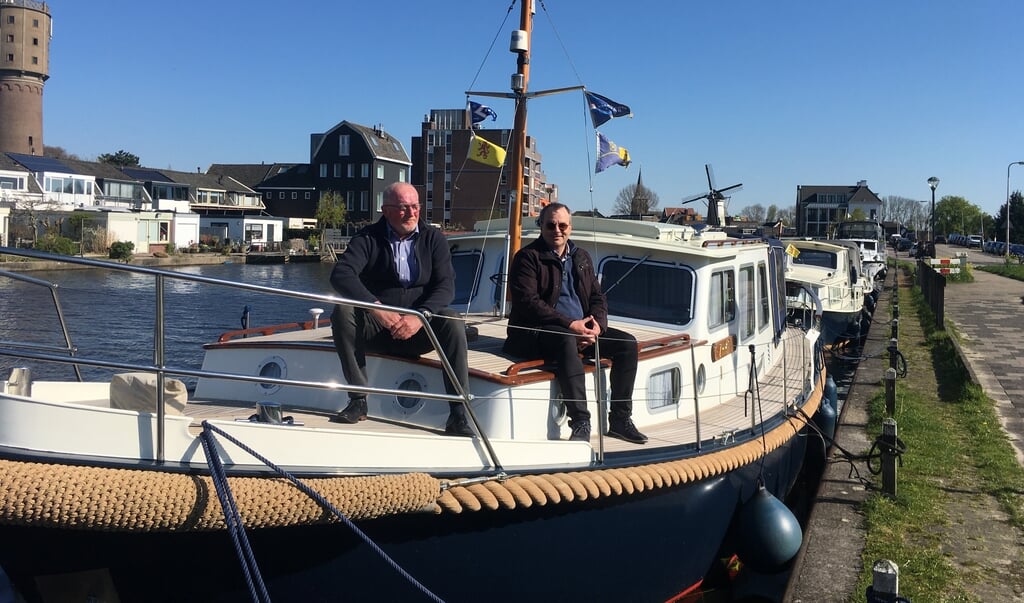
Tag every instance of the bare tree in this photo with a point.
(58, 153)
(909, 212)
(636, 200)
(754, 213)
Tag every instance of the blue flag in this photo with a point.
(478, 112)
(602, 108)
(609, 154)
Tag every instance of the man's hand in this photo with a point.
(587, 329)
(401, 326)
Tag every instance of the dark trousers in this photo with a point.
(356, 332)
(557, 345)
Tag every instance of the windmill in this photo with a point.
(715, 198)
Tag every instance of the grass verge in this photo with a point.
(955, 444)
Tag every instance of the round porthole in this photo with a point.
(274, 368)
(410, 404)
(702, 379)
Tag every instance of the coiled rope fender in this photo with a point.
(108, 499)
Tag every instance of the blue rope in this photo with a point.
(320, 500)
(233, 519)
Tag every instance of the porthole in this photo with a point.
(273, 368)
(702, 379)
(410, 404)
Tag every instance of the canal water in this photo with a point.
(111, 314)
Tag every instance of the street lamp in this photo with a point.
(1007, 250)
(933, 182)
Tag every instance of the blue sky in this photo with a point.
(771, 94)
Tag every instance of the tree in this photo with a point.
(636, 200)
(121, 158)
(330, 212)
(754, 213)
(1016, 220)
(58, 153)
(956, 214)
(910, 213)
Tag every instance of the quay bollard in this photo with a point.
(889, 457)
(890, 391)
(885, 583)
(893, 349)
(895, 329)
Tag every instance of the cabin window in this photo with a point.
(722, 302)
(664, 388)
(468, 267)
(648, 290)
(813, 257)
(763, 314)
(748, 318)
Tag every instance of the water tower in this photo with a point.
(25, 31)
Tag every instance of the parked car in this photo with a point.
(974, 241)
(904, 244)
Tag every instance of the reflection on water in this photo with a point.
(110, 315)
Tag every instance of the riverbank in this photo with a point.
(167, 261)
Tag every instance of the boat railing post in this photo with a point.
(696, 395)
(158, 361)
(602, 410)
(446, 367)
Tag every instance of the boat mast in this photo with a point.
(520, 82)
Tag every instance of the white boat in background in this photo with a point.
(869, 236)
(121, 478)
(824, 278)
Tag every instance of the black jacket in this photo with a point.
(366, 270)
(535, 280)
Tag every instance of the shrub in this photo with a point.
(122, 250)
(56, 244)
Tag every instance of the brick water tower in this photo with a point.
(24, 68)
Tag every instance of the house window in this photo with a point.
(10, 37)
(280, 195)
(295, 195)
(10, 19)
(380, 172)
(343, 145)
(364, 172)
(337, 170)
(364, 200)
(253, 232)
(268, 195)
(35, 60)
(165, 229)
(35, 23)
(323, 170)
(35, 41)
(401, 175)
(307, 195)
(350, 198)
(380, 201)
(351, 170)
(10, 58)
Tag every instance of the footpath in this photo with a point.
(989, 315)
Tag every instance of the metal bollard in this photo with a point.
(885, 583)
(895, 329)
(889, 457)
(893, 348)
(890, 391)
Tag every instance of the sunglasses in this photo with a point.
(563, 226)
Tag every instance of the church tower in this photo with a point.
(25, 31)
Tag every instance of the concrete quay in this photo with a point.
(989, 315)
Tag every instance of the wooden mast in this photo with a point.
(520, 83)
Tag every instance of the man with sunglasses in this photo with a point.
(559, 312)
(398, 261)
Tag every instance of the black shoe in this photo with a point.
(458, 426)
(580, 431)
(625, 430)
(353, 413)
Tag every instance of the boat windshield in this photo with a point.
(648, 290)
(811, 257)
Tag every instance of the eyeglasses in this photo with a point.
(403, 208)
(563, 226)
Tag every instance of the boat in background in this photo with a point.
(122, 482)
(825, 282)
(869, 236)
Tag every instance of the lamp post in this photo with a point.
(933, 183)
(1006, 251)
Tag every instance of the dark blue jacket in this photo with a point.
(366, 270)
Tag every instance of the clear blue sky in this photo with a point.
(771, 94)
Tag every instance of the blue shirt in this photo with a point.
(568, 302)
(406, 266)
